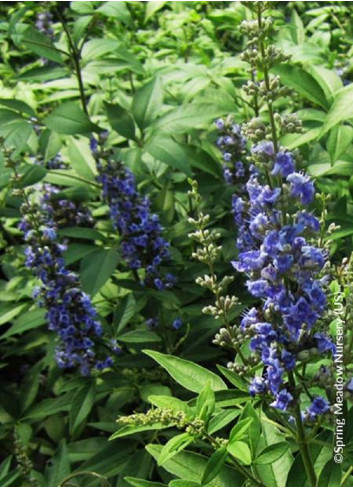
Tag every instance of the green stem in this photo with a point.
(267, 82)
(302, 441)
(346, 475)
(269, 104)
(75, 56)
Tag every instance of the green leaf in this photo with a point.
(49, 144)
(48, 407)
(17, 106)
(174, 446)
(97, 48)
(77, 251)
(124, 312)
(97, 268)
(43, 74)
(214, 465)
(83, 7)
(292, 141)
(206, 402)
(341, 233)
(8, 480)
(121, 121)
(221, 420)
(139, 336)
(240, 451)
(81, 233)
(186, 118)
(81, 159)
(80, 27)
(28, 320)
(272, 453)
(59, 466)
(40, 44)
(239, 430)
(329, 81)
(109, 461)
(341, 109)
(331, 475)
(116, 10)
(254, 431)
(147, 103)
(136, 482)
(152, 8)
(30, 386)
(183, 483)
(191, 466)
(321, 453)
(167, 402)
(16, 134)
(10, 311)
(69, 118)
(33, 174)
(340, 138)
(191, 376)
(82, 404)
(7, 116)
(127, 430)
(5, 466)
(276, 473)
(167, 150)
(298, 28)
(303, 82)
(234, 378)
(150, 390)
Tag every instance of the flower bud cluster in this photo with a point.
(167, 417)
(208, 252)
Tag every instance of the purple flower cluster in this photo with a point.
(70, 312)
(232, 144)
(44, 23)
(64, 212)
(142, 243)
(283, 266)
